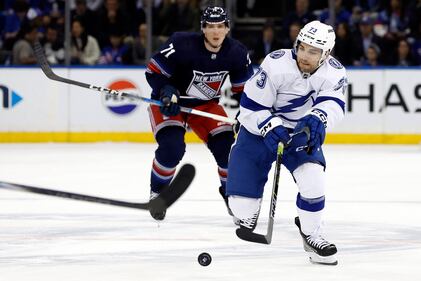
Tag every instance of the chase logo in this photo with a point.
(120, 105)
(9, 98)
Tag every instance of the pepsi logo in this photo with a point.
(121, 105)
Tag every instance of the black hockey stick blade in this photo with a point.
(173, 192)
(177, 187)
(248, 235)
(251, 236)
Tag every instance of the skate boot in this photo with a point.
(157, 215)
(319, 250)
(249, 223)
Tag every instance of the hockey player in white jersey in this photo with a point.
(292, 89)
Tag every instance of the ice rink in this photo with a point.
(373, 215)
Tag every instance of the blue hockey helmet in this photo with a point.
(214, 15)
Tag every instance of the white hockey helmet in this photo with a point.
(318, 35)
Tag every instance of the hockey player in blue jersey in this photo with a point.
(189, 71)
(293, 89)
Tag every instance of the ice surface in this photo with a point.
(373, 215)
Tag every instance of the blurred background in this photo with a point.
(108, 42)
(125, 32)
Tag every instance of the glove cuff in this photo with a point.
(321, 115)
(269, 124)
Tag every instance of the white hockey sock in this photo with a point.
(311, 222)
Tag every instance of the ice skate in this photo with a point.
(319, 250)
(157, 215)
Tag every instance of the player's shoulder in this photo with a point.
(284, 57)
(333, 71)
(334, 67)
(281, 56)
(235, 46)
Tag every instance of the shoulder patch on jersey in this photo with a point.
(277, 54)
(335, 63)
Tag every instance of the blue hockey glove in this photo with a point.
(273, 132)
(169, 98)
(316, 121)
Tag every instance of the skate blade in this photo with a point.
(316, 259)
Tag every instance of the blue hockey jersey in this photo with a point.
(198, 74)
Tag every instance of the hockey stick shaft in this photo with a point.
(42, 61)
(70, 195)
(168, 196)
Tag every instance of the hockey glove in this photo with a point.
(316, 121)
(169, 98)
(273, 132)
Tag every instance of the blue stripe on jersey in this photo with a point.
(311, 205)
(264, 122)
(250, 104)
(296, 103)
(338, 101)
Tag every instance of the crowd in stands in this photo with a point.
(113, 32)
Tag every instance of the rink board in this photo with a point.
(383, 106)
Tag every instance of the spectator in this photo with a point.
(344, 44)
(85, 49)
(414, 16)
(22, 49)
(179, 16)
(86, 15)
(13, 20)
(395, 19)
(301, 14)
(403, 55)
(294, 29)
(117, 52)
(363, 39)
(372, 57)
(111, 17)
(141, 7)
(369, 5)
(92, 5)
(266, 44)
(341, 14)
(140, 43)
(53, 47)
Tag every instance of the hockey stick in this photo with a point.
(42, 61)
(167, 197)
(250, 236)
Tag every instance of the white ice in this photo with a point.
(373, 215)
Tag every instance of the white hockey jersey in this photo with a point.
(279, 88)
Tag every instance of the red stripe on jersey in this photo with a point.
(154, 68)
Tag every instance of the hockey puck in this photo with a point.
(204, 259)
